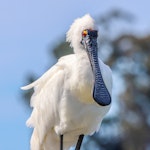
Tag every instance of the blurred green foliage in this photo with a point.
(129, 56)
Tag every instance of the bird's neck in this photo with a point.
(100, 92)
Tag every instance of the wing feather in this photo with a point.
(47, 77)
(48, 91)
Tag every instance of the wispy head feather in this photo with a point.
(74, 35)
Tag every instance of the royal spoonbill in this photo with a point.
(71, 99)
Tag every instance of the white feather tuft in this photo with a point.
(74, 35)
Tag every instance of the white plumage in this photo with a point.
(62, 101)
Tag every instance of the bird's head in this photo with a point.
(77, 29)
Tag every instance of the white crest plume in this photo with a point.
(74, 34)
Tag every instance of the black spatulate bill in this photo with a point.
(100, 92)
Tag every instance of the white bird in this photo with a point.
(71, 98)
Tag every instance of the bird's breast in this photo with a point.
(82, 80)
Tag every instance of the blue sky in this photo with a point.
(27, 28)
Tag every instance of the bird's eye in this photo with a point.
(84, 33)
